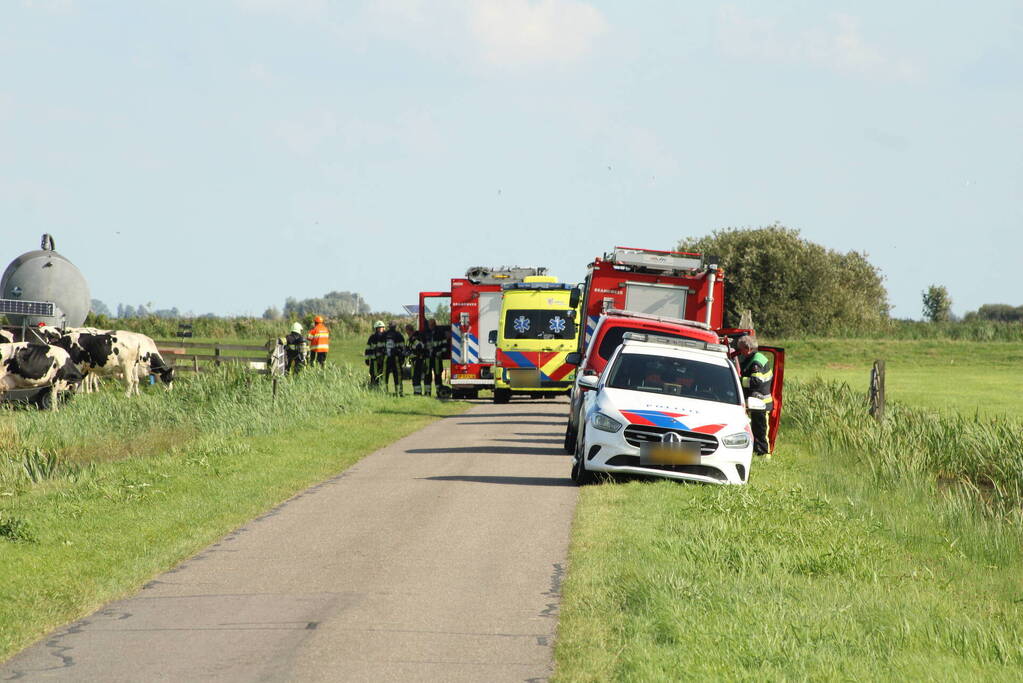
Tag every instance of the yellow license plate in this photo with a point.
(465, 376)
(663, 454)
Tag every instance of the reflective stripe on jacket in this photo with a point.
(756, 377)
(319, 339)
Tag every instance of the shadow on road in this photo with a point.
(507, 422)
(552, 439)
(515, 481)
(523, 414)
(494, 450)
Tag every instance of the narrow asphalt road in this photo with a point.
(437, 558)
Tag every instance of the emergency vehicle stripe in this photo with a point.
(473, 352)
(516, 359)
(456, 346)
(555, 368)
(708, 429)
(656, 418)
(591, 324)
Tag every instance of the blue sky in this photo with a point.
(221, 156)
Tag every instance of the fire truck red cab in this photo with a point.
(475, 305)
(669, 284)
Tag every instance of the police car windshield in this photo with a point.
(675, 377)
(532, 324)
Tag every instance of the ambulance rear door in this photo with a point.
(489, 317)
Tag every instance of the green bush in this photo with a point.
(792, 285)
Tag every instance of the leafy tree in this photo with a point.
(997, 312)
(99, 308)
(792, 285)
(272, 313)
(331, 305)
(937, 304)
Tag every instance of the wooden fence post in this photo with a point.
(216, 352)
(877, 390)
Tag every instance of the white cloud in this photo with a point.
(299, 10)
(499, 33)
(520, 32)
(50, 6)
(838, 46)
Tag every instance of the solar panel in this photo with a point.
(19, 307)
(411, 309)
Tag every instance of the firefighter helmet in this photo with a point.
(379, 323)
(318, 319)
(297, 328)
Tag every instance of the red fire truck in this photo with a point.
(475, 311)
(668, 284)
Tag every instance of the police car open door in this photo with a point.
(776, 356)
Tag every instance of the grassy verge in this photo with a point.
(814, 571)
(80, 524)
(861, 551)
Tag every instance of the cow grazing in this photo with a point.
(27, 365)
(100, 353)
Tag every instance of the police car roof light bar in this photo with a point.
(670, 341)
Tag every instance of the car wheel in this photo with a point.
(569, 440)
(581, 475)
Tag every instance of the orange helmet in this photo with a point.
(318, 319)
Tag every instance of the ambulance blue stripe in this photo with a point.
(520, 359)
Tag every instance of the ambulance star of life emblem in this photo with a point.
(671, 437)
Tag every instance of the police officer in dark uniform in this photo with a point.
(394, 356)
(295, 349)
(375, 353)
(416, 352)
(757, 380)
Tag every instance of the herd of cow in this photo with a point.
(76, 358)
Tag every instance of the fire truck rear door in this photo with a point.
(489, 317)
(663, 300)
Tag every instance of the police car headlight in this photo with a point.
(737, 440)
(605, 423)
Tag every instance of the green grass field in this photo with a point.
(835, 562)
(950, 376)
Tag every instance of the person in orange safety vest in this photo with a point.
(319, 342)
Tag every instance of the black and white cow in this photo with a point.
(6, 337)
(99, 353)
(27, 365)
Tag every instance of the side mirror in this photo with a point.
(492, 337)
(589, 381)
(574, 358)
(573, 298)
(754, 403)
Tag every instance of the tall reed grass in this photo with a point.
(211, 407)
(983, 456)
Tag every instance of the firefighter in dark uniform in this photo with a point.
(394, 356)
(757, 378)
(295, 349)
(416, 352)
(375, 353)
(436, 347)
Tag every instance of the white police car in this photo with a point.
(668, 408)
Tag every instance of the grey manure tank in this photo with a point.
(45, 276)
